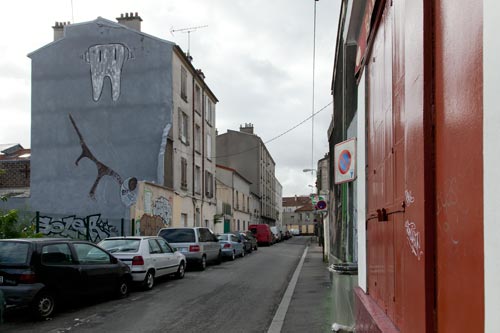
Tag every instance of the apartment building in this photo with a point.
(234, 190)
(245, 152)
(113, 107)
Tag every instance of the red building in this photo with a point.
(408, 84)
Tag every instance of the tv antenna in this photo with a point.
(187, 31)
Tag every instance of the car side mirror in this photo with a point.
(114, 260)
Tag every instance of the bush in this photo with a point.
(12, 227)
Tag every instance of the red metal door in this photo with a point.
(459, 165)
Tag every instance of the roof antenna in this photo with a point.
(187, 31)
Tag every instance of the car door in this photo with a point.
(215, 243)
(160, 260)
(98, 272)
(58, 269)
(169, 256)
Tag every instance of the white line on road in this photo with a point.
(279, 316)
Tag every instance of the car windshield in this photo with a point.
(120, 245)
(223, 237)
(178, 235)
(13, 253)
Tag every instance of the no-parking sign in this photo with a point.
(345, 161)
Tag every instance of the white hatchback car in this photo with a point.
(147, 256)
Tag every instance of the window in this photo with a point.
(168, 164)
(56, 254)
(184, 173)
(175, 235)
(164, 246)
(183, 127)
(183, 84)
(154, 247)
(184, 220)
(91, 255)
(237, 200)
(209, 184)
(197, 138)
(197, 98)
(197, 180)
(209, 146)
(209, 111)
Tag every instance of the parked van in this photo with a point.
(198, 244)
(262, 232)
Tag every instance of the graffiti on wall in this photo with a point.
(76, 227)
(163, 209)
(158, 214)
(128, 188)
(106, 61)
(413, 237)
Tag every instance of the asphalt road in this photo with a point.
(238, 296)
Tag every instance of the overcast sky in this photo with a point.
(256, 56)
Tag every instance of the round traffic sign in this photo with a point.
(321, 205)
(344, 161)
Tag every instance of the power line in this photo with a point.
(278, 136)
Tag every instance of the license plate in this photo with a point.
(1, 279)
(182, 249)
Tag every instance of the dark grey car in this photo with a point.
(38, 273)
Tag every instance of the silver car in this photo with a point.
(198, 244)
(148, 257)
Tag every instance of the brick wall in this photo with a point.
(17, 174)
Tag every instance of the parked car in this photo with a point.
(198, 244)
(148, 257)
(40, 273)
(295, 232)
(252, 239)
(287, 235)
(231, 246)
(276, 234)
(247, 243)
(262, 233)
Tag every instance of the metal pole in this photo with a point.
(123, 222)
(133, 227)
(37, 222)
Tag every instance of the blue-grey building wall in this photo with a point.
(120, 129)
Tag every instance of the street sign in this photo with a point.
(345, 161)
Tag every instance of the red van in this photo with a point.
(262, 233)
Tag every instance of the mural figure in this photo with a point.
(104, 170)
(106, 60)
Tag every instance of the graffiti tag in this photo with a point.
(162, 208)
(76, 227)
(413, 237)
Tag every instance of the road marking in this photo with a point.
(279, 316)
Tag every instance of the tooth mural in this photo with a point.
(106, 60)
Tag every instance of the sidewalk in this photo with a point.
(311, 307)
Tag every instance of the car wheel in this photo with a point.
(149, 280)
(233, 256)
(203, 263)
(181, 271)
(122, 288)
(43, 305)
(255, 248)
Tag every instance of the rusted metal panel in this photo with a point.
(459, 166)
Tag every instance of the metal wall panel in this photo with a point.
(459, 162)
